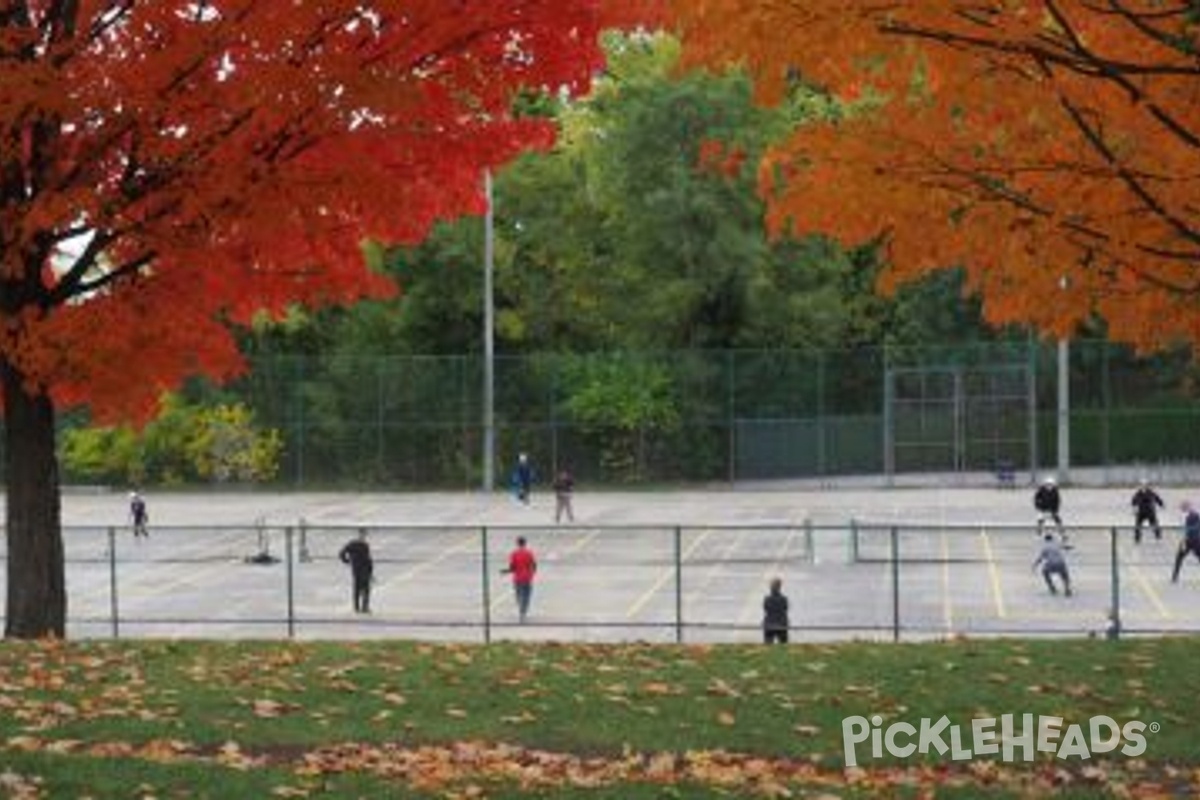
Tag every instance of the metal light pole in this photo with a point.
(1064, 402)
(1064, 410)
(489, 344)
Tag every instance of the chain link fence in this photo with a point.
(663, 583)
(647, 418)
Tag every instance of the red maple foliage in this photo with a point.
(171, 167)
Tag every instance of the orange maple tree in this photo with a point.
(1049, 147)
(169, 168)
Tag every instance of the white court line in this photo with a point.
(667, 575)
(994, 573)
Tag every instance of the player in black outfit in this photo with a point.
(1145, 503)
(775, 614)
(357, 553)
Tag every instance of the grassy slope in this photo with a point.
(414, 720)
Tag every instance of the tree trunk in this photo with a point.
(37, 596)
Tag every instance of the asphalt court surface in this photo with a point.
(963, 568)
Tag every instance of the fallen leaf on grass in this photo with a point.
(726, 718)
(20, 787)
(659, 688)
(230, 754)
(720, 688)
(269, 709)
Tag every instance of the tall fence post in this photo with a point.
(487, 586)
(291, 582)
(678, 585)
(895, 584)
(112, 583)
(1113, 630)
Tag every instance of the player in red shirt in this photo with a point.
(522, 565)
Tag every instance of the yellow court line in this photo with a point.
(1155, 599)
(470, 539)
(751, 602)
(507, 598)
(949, 611)
(713, 569)
(994, 573)
(667, 575)
(503, 598)
(575, 548)
(157, 588)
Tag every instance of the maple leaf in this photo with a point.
(269, 709)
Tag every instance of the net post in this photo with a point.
(678, 585)
(486, 586)
(810, 546)
(895, 537)
(1113, 630)
(114, 606)
(305, 556)
(852, 543)
(291, 583)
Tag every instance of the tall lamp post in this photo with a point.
(1064, 402)
(489, 344)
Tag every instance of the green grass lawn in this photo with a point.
(406, 720)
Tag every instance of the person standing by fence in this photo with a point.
(775, 615)
(139, 517)
(564, 488)
(522, 565)
(1191, 538)
(522, 478)
(357, 553)
(1146, 503)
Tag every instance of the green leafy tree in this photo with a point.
(617, 401)
(186, 442)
